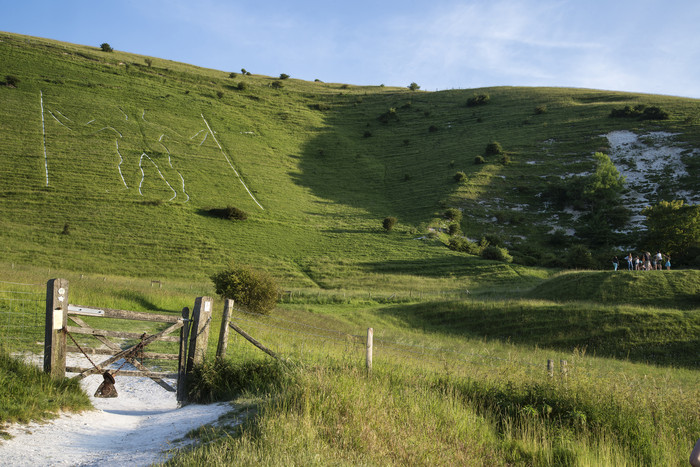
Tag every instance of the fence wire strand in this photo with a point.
(22, 316)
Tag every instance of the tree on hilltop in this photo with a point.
(106, 47)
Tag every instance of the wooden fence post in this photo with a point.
(550, 368)
(199, 334)
(370, 340)
(56, 321)
(223, 332)
(564, 368)
(182, 357)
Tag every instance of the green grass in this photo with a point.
(324, 186)
(28, 394)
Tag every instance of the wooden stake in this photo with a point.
(223, 332)
(56, 321)
(370, 339)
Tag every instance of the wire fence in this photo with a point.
(309, 341)
(22, 316)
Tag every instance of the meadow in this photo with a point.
(111, 167)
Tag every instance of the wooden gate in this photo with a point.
(192, 330)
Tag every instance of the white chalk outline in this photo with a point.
(125, 115)
(90, 122)
(61, 114)
(230, 164)
(109, 128)
(43, 133)
(143, 175)
(192, 137)
(160, 140)
(60, 122)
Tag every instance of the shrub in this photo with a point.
(229, 212)
(219, 94)
(232, 75)
(493, 149)
(464, 245)
(496, 253)
(541, 109)
(11, 80)
(106, 47)
(388, 223)
(460, 177)
(284, 76)
(243, 71)
(505, 159)
(242, 86)
(66, 229)
(148, 61)
(432, 128)
(492, 239)
(277, 84)
(478, 99)
(252, 289)
(388, 116)
(413, 87)
(453, 214)
(479, 160)
(454, 229)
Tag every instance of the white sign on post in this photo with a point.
(57, 319)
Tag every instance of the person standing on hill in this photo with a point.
(629, 261)
(615, 263)
(659, 260)
(668, 263)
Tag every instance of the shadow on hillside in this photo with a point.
(382, 168)
(666, 339)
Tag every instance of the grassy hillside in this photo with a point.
(136, 155)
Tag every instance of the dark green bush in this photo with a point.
(478, 99)
(454, 214)
(388, 116)
(284, 76)
(388, 223)
(496, 253)
(232, 75)
(252, 289)
(432, 128)
(242, 86)
(479, 160)
(464, 245)
(277, 84)
(413, 87)
(541, 109)
(460, 177)
(11, 80)
(106, 47)
(580, 257)
(454, 229)
(219, 94)
(229, 212)
(493, 149)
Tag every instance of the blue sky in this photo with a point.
(627, 45)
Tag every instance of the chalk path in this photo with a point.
(134, 429)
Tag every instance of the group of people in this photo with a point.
(645, 262)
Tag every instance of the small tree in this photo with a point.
(460, 177)
(413, 87)
(284, 76)
(388, 223)
(149, 61)
(454, 214)
(106, 47)
(253, 289)
(674, 228)
(277, 84)
(232, 75)
(479, 160)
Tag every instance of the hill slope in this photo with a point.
(111, 161)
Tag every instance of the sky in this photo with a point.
(648, 46)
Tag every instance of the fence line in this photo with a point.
(407, 348)
(22, 316)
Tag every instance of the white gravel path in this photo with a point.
(134, 429)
